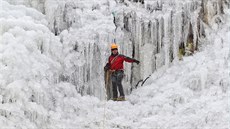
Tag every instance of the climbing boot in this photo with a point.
(121, 98)
(114, 99)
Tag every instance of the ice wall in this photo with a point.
(150, 31)
(154, 33)
(85, 28)
(35, 64)
(30, 63)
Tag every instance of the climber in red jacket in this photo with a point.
(115, 64)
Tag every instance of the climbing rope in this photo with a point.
(104, 115)
(105, 101)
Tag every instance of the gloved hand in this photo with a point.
(136, 61)
(107, 67)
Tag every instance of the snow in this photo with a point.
(86, 29)
(38, 81)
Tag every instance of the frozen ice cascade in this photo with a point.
(52, 54)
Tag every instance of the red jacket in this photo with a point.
(117, 63)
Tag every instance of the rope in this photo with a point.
(104, 116)
(106, 97)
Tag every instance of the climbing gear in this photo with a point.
(137, 61)
(140, 81)
(108, 84)
(117, 71)
(107, 67)
(189, 49)
(114, 46)
(181, 52)
(121, 98)
(113, 60)
(114, 99)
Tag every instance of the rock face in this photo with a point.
(150, 31)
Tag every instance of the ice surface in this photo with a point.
(49, 59)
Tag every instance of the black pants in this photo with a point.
(117, 77)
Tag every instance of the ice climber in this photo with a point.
(115, 65)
